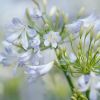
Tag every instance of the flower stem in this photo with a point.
(69, 81)
(87, 94)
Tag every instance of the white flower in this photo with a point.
(85, 23)
(20, 31)
(52, 38)
(91, 82)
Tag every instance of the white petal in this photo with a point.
(1, 58)
(16, 21)
(24, 41)
(6, 44)
(39, 54)
(90, 20)
(54, 44)
(72, 57)
(37, 71)
(46, 68)
(82, 85)
(25, 56)
(93, 94)
(46, 43)
(97, 86)
(40, 67)
(97, 26)
(30, 72)
(13, 37)
(37, 40)
(31, 32)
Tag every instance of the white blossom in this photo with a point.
(20, 31)
(91, 82)
(11, 58)
(52, 39)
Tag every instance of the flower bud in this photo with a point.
(53, 11)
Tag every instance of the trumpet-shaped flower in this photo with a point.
(52, 38)
(91, 82)
(21, 32)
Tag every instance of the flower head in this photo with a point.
(52, 38)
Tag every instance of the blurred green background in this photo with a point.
(52, 86)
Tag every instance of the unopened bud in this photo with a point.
(53, 10)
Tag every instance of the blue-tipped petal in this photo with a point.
(16, 21)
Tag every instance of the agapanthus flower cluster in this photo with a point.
(25, 41)
(83, 61)
(22, 49)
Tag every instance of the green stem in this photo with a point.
(69, 81)
(87, 94)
